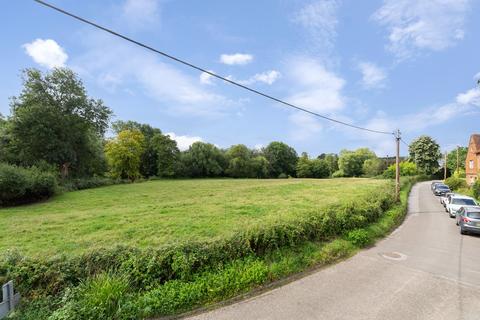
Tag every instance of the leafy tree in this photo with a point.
(406, 169)
(321, 168)
(204, 160)
(425, 153)
(166, 155)
(54, 120)
(452, 159)
(351, 162)
(304, 166)
(332, 161)
(282, 159)
(124, 154)
(260, 167)
(149, 161)
(240, 163)
(372, 167)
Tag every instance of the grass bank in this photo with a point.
(125, 283)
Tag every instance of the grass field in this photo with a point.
(159, 212)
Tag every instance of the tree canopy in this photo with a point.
(282, 159)
(425, 153)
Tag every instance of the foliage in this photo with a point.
(359, 237)
(167, 155)
(332, 161)
(204, 160)
(260, 167)
(304, 166)
(351, 162)
(204, 274)
(23, 185)
(460, 173)
(54, 120)
(88, 183)
(452, 158)
(124, 154)
(338, 174)
(406, 169)
(372, 167)
(425, 153)
(281, 158)
(240, 162)
(455, 183)
(476, 189)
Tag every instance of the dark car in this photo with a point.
(434, 183)
(441, 189)
(468, 219)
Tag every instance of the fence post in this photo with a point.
(10, 300)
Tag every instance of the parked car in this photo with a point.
(468, 219)
(444, 198)
(456, 202)
(448, 199)
(441, 189)
(434, 183)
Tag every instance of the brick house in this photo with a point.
(472, 163)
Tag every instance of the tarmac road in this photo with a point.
(424, 270)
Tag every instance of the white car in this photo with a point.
(445, 198)
(458, 201)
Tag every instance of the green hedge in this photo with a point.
(455, 183)
(24, 185)
(150, 267)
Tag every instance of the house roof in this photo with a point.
(475, 138)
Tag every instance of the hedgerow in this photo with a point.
(140, 283)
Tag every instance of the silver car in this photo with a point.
(458, 201)
(468, 219)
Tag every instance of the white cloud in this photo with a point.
(316, 88)
(46, 53)
(372, 75)
(267, 77)
(179, 93)
(206, 78)
(183, 142)
(258, 146)
(319, 18)
(141, 13)
(236, 58)
(422, 24)
(476, 77)
(305, 125)
(471, 97)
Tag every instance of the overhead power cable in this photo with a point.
(191, 65)
(404, 142)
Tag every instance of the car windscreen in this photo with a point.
(443, 188)
(474, 214)
(464, 202)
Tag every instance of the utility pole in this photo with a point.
(397, 166)
(445, 167)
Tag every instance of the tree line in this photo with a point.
(55, 125)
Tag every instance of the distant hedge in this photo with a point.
(24, 185)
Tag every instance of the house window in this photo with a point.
(470, 164)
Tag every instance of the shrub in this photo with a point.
(282, 176)
(338, 174)
(455, 183)
(406, 169)
(476, 189)
(359, 237)
(88, 183)
(460, 173)
(23, 185)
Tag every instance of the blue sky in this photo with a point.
(407, 64)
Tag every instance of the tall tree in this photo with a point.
(425, 153)
(304, 166)
(351, 162)
(452, 159)
(167, 155)
(282, 159)
(54, 120)
(240, 163)
(204, 160)
(124, 154)
(149, 161)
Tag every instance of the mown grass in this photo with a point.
(156, 213)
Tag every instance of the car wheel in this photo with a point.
(462, 231)
(456, 222)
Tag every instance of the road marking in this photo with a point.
(396, 256)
